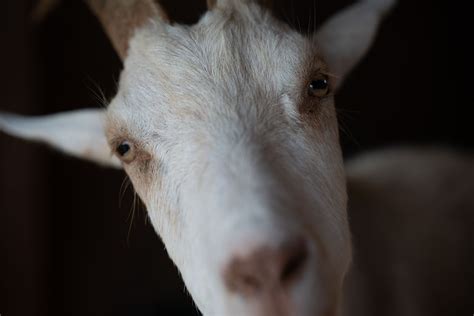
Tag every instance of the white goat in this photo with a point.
(228, 132)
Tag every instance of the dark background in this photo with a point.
(67, 244)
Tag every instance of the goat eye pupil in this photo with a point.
(318, 88)
(321, 84)
(123, 149)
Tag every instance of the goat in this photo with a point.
(228, 132)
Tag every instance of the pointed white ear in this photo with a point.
(346, 37)
(78, 133)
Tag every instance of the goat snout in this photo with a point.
(266, 270)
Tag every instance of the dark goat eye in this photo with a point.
(318, 87)
(123, 149)
(126, 152)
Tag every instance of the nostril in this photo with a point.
(244, 277)
(297, 257)
(266, 268)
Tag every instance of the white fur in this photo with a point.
(79, 133)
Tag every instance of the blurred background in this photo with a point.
(69, 244)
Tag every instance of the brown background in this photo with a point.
(65, 243)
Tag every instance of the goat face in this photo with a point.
(228, 132)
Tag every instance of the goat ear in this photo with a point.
(346, 37)
(78, 133)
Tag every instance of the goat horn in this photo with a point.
(120, 18)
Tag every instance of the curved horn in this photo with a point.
(121, 17)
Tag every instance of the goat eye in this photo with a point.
(124, 150)
(318, 87)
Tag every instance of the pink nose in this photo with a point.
(265, 269)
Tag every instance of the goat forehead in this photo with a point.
(178, 74)
(223, 54)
